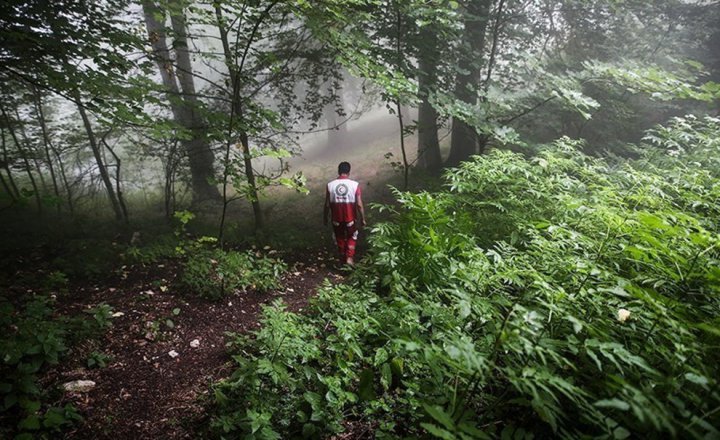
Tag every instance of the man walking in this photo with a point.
(344, 201)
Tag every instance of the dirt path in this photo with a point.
(145, 391)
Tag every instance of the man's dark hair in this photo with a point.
(344, 168)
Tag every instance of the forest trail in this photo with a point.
(159, 371)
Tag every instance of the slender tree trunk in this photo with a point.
(68, 189)
(102, 168)
(406, 165)
(6, 166)
(170, 167)
(398, 50)
(7, 189)
(46, 143)
(49, 145)
(337, 129)
(483, 140)
(428, 154)
(334, 139)
(173, 194)
(29, 148)
(183, 103)
(342, 129)
(97, 153)
(250, 175)
(464, 141)
(235, 72)
(118, 189)
(23, 154)
(167, 192)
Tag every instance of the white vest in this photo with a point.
(342, 191)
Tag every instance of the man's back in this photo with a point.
(343, 194)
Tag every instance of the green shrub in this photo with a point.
(214, 273)
(86, 258)
(56, 281)
(97, 360)
(157, 250)
(562, 296)
(33, 338)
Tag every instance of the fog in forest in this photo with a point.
(541, 70)
(322, 219)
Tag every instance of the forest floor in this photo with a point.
(144, 392)
(159, 373)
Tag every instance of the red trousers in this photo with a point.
(346, 234)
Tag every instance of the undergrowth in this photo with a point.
(561, 295)
(33, 338)
(215, 273)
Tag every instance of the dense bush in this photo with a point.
(33, 338)
(560, 295)
(214, 273)
(160, 248)
(86, 258)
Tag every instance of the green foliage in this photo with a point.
(561, 295)
(659, 83)
(157, 250)
(689, 138)
(91, 328)
(97, 359)
(86, 258)
(56, 281)
(32, 339)
(183, 218)
(48, 424)
(215, 273)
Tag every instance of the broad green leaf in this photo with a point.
(613, 403)
(439, 414)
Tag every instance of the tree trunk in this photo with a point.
(7, 189)
(250, 175)
(61, 166)
(398, 105)
(46, 143)
(28, 147)
(118, 189)
(21, 150)
(199, 152)
(6, 166)
(336, 126)
(464, 141)
(713, 62)
(235, 71)
(182, 103)
(102, 169)
(428, 149)
(171, 163)
(56, 153)
(406, 165)
(12, 192)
